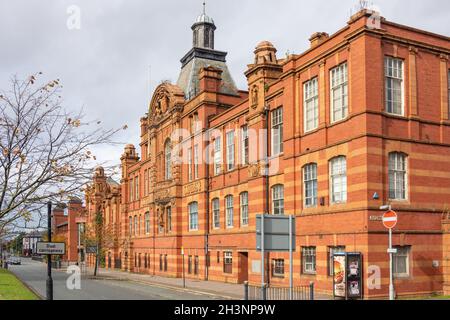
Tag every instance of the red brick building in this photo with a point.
(364, 111)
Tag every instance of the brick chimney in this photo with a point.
(317, 38)
(210, 79)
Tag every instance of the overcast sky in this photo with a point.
(124, 49)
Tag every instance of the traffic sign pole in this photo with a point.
(291, 280)
(263, 289)
(391, 276)
(49, 282)
(390, 221)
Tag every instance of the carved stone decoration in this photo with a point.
(254, 170)
(161, 217)
(254, 97)
(192, 188)
(165, 98)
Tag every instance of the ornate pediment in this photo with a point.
(165, 98)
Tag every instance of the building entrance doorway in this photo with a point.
(243, 267)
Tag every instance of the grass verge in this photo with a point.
(12, 288)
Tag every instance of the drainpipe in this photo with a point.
(266, 171)
(207, 216)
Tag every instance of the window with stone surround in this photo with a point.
(165, 262)
(196, 264)
(131, 225)
(244, 208)
(189, 154)
(244, 145)
(196, 161)
(277, 131)
(229, 211)
(217, 156)
(309, 260)
(216, 213)
(310, 185)
(338, 179)
(278, 267)
(230, 150)
(397, 176)
(193, 216)
(278, 199)
(136, 187)
(311, 105)
(394, 91)
(147, 222)
(400, 261)
(131, 188)
(169, 219)
(339, 92)
(189, 264)
(135, 225)
(168, 160)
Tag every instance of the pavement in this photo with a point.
(34, 275)
(120, 285)
(220, 289)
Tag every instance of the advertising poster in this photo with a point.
(354, 275)
(339, 275)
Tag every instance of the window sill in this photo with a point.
(338, 203)
(394, 115)
(278, 276)
(336, 122)
(402, 277)
(309, 273)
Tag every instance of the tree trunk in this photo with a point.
(96, 265)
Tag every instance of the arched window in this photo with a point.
(278, 199)
(147, 222)
(168, 159)
(338, 179)
(244, 208)
(310, 185)
(193, 216)
(397, 176)
(229, 211)
(216, 213)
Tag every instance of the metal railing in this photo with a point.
(252, 292)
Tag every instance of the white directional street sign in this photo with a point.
(56, 248)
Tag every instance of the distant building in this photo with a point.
(29, 243)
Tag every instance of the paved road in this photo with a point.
(34, 274)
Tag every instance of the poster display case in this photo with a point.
(347, 275)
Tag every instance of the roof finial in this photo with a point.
(204, 7)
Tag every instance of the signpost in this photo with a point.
(56, 248)
(389, 222)
(49, 282)
(275, 234)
